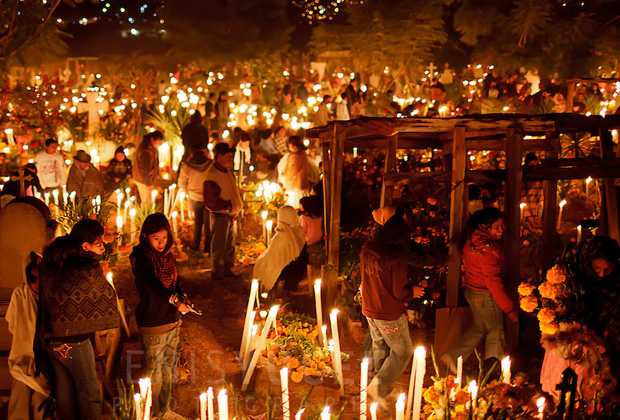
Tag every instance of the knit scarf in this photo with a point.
(165, 268)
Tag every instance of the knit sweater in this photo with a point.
(80, 301)
(191, 179)
(146, 166)
(221, 194)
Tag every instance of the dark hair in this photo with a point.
(87, 230)
(530, 157)
(54, 257)
(153, 224)
(196, 117)
(312, 206)
(148, 139)
(297, 142)
(395, 235)
(119, 149)
(49, 141)
(485, 217)
(34, 263)
(326, 97)
(605, 248)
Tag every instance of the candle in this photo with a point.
(269, 225)
(119, 223)
(10, 138)
(473, 390)
(249, 319)
(324, 335)
(55, 195)
(337, 361)
(263, 216)
(175, 222)
(138, 402)
(588, 181)
(540, 403)
(364, 390)
(459, 372)
(166, 201)
(319, 305)
(286, 409)
(119, 198)
(222, 405)
(273, 312)
(65, 198)
(147, 396)
(248, 345)
(414, 365)
(562, 204)
(203, 406)
(72, 197)
(210, 403)
(579, 234)
(126, 210)
(354, 152)
(299, 414)
(373, 410)
(419, 381)
(325, 415)
(47, 198)
(153, 196)
(522, 207)
(400, 407)
(506, 369)
(98, 200)
(182, 194)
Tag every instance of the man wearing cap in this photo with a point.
(50, 166)
(222, 198)
(84, 178)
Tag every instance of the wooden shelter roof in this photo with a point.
(481, 130)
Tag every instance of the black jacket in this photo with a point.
(154, 308)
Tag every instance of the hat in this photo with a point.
(82, 156)
(222, 149)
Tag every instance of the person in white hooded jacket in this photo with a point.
(286, 257)
(192, 176)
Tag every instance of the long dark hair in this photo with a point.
(147, 140)
(394, 236)
(479, 221)
(153, 224)
(87, 230)
(297, 142)
(54, 257)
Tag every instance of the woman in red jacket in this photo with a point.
(483, 260)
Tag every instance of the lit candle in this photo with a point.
(55, 195)
(65, 197)
(333, 316)
(540, 403)
(119, 198)
(210, 398)
(166, 201)
(72, 197)
(182, 197)
(222, 405)
(248, 319)
(138, 402)
(459, 372)
(324, 335)
(175, 222)
(318, 303)
(400, 407)
(579, 234)
(98, 200)
(562, 204)
(273, 312)
(248, 344)
(47, 198)
(419, 381)
(126, 210)
(588, 182)
(203, 406)
(263, 216)
(119, 223)
(147, 396)
(354, 152)
(153, 196)
(373, 410)
(414, 365)
(473, 390)
(325, 414)
(364, 390)
(286, 409)
(269, 227)
(506, 369)
(299, 414)
(132, 226)
(522, 207)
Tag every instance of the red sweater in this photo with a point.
(483, 260)
(384, 284)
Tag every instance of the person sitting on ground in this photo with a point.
(119, 169)
(286, 258)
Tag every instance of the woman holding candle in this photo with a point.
(483, 260)
(384, 297)
(162, 301)
(146, 166)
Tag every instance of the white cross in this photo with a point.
(431, 70)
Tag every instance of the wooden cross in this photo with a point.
(22, 181)
(431, 70)
(568, 384)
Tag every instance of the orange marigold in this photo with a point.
(526, 289)
(297, 377)
(549, 290)
(546, 316)
(556, 275)
(549, 329)
(293, 363)
(529, 303)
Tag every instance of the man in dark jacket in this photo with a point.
(195, 136)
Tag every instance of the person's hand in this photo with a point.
(513, 315)
(183, 308)
(418, 291)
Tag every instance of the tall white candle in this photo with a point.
(299, 414)
(210, 409)
(325, 414)
(419, 381)
(138, 402)
(324, 335)
(562, 204)
(286, 403)
(248, 319)
(540, 404)
(166, 200)
(119, 223)
(459, 372)
(153, 196)
(175, 222)
(264, 216)
(506, 370)
(147, 396)
(47, 199)
(400, 407)
(522, 208)
(273, 312)
(55, 195)
(364, 390)
(269, 225)
(373, 410)
(119, 198)
(222, 405)
(414, 366)
(318, 303)
(473, 390)
(579, 234)
(203, 406)
(248, 345)
(333, 316)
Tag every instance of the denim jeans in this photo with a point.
(222, 244)
(77, 386)
(391, 350)
(488, 324)
(201, 223)
(160, 352)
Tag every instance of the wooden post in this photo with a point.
(570, 96)
(327, 182)
(609, 186)
(514, 181)
(550, 205)
(389, 166)
(457, 210)
(333, 256)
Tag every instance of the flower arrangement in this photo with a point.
(249, 250)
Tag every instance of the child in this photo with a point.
(27, 391)
(311, 219)
(76, 302)
(162, 302)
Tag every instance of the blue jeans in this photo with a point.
(201, 223)
(77, 386)
(391, 350)
(222, 244)
(160, 352)
(488, 324)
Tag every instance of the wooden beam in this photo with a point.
(457, 210)
(570, 95)
(390, 166)
(550, 203)
(576, 172)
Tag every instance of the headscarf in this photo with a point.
(285, 247)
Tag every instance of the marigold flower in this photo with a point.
(546, 316)
(549, 329)
(293, 363)
(526, 289)
(549, 290)
(556, 275)
(529, 303)
(297, 377)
